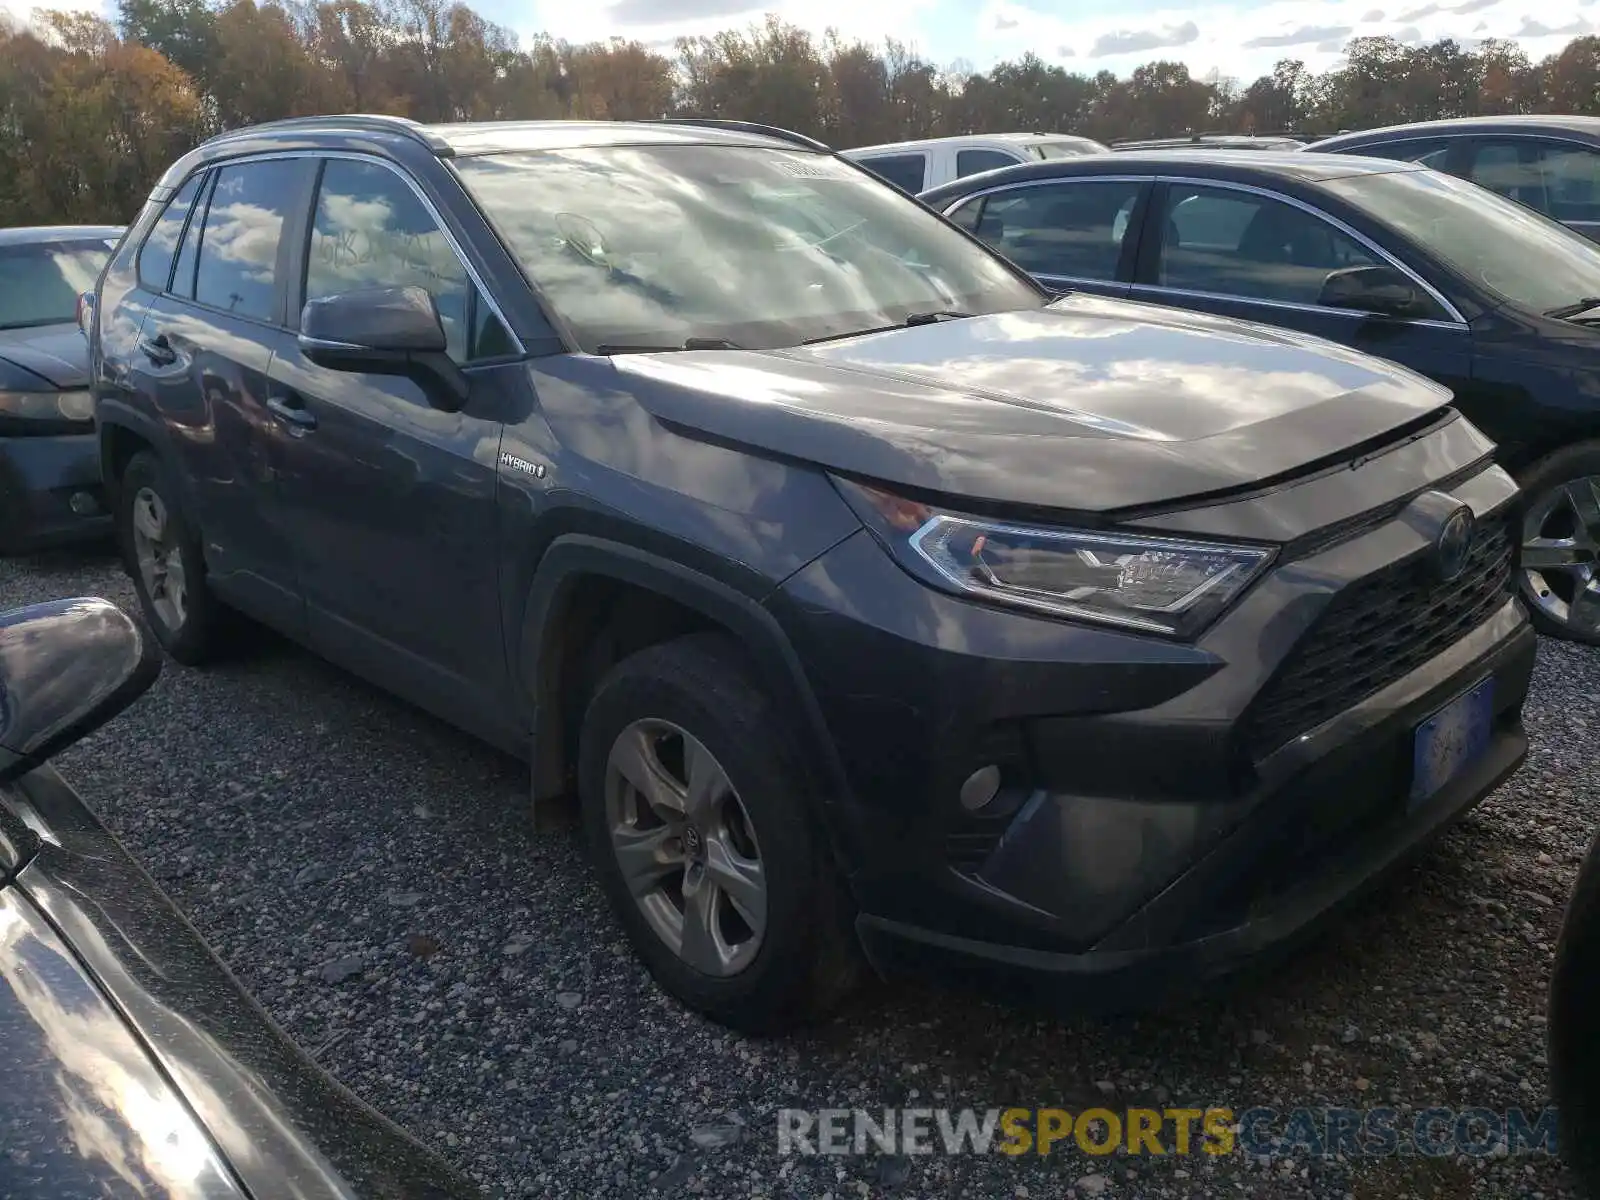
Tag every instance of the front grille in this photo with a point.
(1376, 631)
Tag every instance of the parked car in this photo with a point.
(1215, 141)
(865, 596)
(49, 458)
(1574, 1026)
(915, 166)
(1480, 294)
(1549, 163)
(134, 1063)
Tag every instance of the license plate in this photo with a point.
(1451, 739)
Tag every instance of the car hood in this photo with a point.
(57, 353)
(1089, 404)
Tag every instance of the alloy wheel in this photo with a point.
(686, 847)
(160, 560)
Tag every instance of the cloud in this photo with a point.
(1531, 28)
(1066, 52)
(1409, 36)
(1416, 14)
(1476, 5)
(1480, 27)
(1336, 46)
(1126, 41)
(653, 12)
(1374, 14)
(1005, 22)
(1299, 37)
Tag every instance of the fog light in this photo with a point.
(84, 504)
(980, 788)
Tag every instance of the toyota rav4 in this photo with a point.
(877, 605)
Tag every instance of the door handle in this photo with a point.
(158, 350)
(296, 416)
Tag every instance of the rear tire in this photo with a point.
(162, 555)
(718, 761)
(1558, 562)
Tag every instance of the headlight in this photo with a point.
(47, 406)
(1152, 584)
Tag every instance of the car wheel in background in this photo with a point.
(1558, 573)
(697, 815)
(163, 556)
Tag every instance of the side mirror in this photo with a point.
(1375, 289)
(66, 668)
(385, 331)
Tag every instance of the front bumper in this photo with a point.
(50, 492)
(1139, 765)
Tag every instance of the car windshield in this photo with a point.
(653, 246)
(1516, 253)
(40, 281)
(1072, 149)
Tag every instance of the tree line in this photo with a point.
(91, 110)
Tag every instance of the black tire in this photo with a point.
(1537, 481)
(1574, 1029)
(808, 959)
(198, 637)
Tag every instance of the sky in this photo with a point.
(1238, 38)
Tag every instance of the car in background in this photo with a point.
(1550, 163)
(1215, 141)
(49, 458)
(918, 165)
(872, 602)
(1494, 301)
(134, 1064)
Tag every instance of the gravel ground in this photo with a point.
(372, 875)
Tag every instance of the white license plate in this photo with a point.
(1451, 740)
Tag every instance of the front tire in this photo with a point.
(162, 554)
(1558, 566)
(698, 819)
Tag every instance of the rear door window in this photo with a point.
(237, 266)
(905, 171)
(971, 162)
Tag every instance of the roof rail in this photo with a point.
(374, 122)
(771, 131)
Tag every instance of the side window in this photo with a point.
(1572, 181)
(967, 215)
(1068, 229)
(905, 171)
(237, 267)
(371, 231)
(183, 274)
(156, 255)
(1512, 169)
(1239, 244)
(1430, 152)
(970, 162)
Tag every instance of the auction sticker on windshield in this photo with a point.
(1451, 740)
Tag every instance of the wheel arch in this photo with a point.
(124, 432)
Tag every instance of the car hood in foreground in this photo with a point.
(59, 354)
(1090, 404)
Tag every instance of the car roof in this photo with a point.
(1560, 122)
(1295, 166)
(33, 235)
(954, 139)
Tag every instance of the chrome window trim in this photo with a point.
(1359, 314)
(1456, 319)
(416, 189)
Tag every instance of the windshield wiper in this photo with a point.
(932, 317)
(1573, 309)
(694, 343)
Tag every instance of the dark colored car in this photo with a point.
(1495, 302)
(49, 457)
(863, 593)
(1549, 163)
(1574, 1050)
(134, 1065)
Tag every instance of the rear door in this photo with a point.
(1076, 234)
(201, 361)
(1246, 252)
(1558, 178)
(391, 501)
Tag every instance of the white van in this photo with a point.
(917, 166)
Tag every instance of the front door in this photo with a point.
(392, 501)
(1242, 253)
